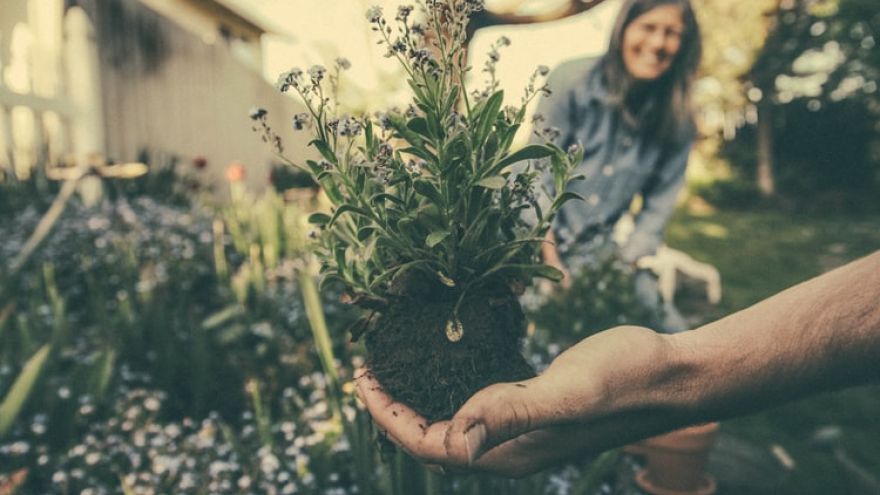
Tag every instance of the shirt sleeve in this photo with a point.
(659, 203)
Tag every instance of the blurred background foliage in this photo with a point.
(797, 80)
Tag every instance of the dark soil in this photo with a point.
(410, 355)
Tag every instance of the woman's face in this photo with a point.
(651, 41)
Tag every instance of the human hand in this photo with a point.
(515, 429)
(525, 454)
(550, 255)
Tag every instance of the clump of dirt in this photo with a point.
(410, 355)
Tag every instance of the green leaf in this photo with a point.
(399, 125)
(488, 115)
(566, 196)
(397, 271)
(5, 312)
(377, 198)
(559, 169)
(314, 167)
(103, 372)
(359, 183)
(346, 208)
(365, 233)
(429, 190)
(494, 182)
(368, 135)
(509, 246)
(450, 100)
(420, 126)
(418, 92)
(538, 270)
(507, 137)
(319, 218)
(407, 228)
(331, 189)
(368, 250)
(544, 271)
(421, 153)
(21, 389)
(360, 327)
(448, 282)
(490, 147)
(339, 257)
(436, 237)
(327, 277)
(325, 151)
(530, 152)
(222, 317)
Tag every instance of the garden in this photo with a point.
(161, 333)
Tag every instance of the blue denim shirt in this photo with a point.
(619, 163)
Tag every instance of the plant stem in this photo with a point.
(323, 343)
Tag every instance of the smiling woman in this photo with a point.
(630, 111)
(651, 42)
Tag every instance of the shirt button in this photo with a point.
(608, 170)
(593, 199)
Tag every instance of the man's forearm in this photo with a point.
(630, 383)
(819, 335)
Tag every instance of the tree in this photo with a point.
(819, 53)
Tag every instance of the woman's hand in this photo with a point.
(515, 429)
(550, 255)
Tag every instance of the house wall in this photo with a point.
(115, 78)
(167, 92)
(34, 97)
(214, 23)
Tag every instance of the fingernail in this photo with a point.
(473, 441)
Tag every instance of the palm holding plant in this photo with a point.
(427, 229)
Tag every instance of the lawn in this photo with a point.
(760, 252)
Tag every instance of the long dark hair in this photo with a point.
(671, 110)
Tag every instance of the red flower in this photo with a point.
(235, 172)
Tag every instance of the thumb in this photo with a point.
(491, 417)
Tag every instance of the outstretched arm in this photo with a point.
(629, 383)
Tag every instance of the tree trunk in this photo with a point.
(765, 176)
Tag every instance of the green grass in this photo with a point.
(759, 253)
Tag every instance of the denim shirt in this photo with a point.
(619, 163)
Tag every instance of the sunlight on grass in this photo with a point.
(712, 230)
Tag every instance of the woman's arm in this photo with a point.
(659, 204)
(550, 255)
(630, 383)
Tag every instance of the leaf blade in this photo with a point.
(21, 388)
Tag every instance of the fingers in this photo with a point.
(538, 449)
(493, 422)
(491, 417)
(401, 424)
